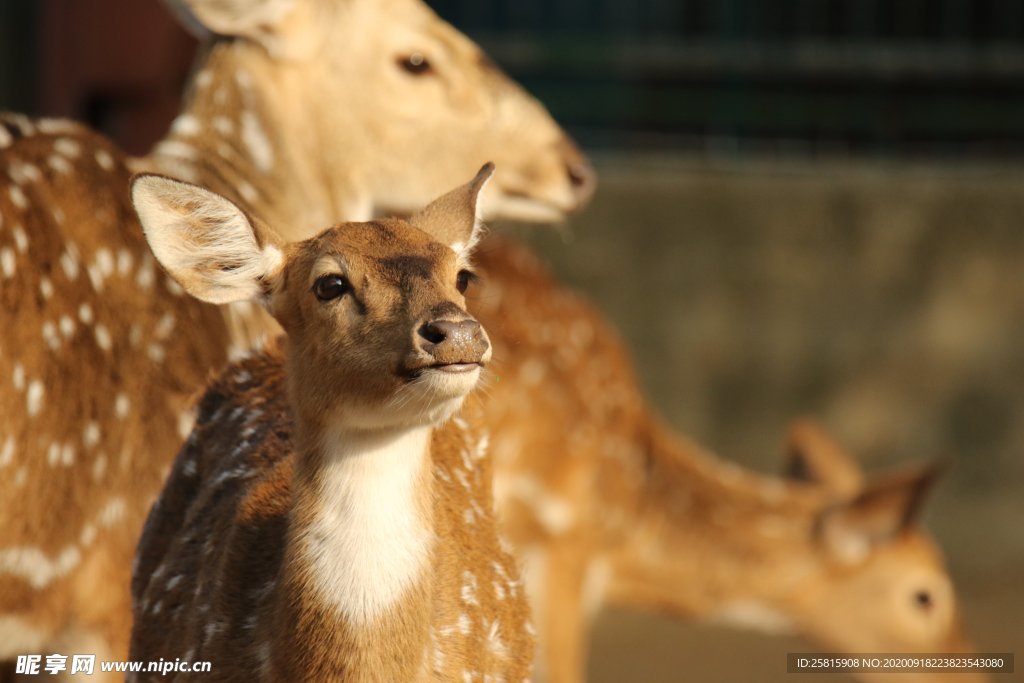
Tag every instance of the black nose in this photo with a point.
(453, 341)
(582, 178)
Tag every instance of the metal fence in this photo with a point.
(808, 77)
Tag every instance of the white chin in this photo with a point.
(522, 209)
(445, 384)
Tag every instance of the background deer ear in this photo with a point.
(878, 514)
(204, 241)
(454, 218)
(813, 456)
(241, 18)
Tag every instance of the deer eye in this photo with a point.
(329, 287)
(415, 63)
(923, 599)
(463, 279)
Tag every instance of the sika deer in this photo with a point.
(359, 544)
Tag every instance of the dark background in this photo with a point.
(806, 207)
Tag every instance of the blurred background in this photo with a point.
(806, 207)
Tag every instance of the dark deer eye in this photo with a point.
(415, 63)
(329, 287)
(463, 279)
(923, 599)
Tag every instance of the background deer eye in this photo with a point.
(329, 287)
(415, 64)
(463, 279)
(923, 599)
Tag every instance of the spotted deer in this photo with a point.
(606, 506)
(301, 112)
(338, 532)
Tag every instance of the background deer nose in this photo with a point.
(453, 341)
(582, 178)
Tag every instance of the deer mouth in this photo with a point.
(455, 368)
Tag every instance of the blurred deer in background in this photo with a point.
(302, 112)
(363, 546)
(605, 505)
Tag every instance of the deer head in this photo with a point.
(884, 586)
(384, 298)
(379, 87)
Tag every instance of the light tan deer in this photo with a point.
(356, 546)
(607, 507)
(301, 111)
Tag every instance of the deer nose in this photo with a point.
(582, 178)
(452, 342)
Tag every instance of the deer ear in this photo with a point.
(454, 218)
(204, 241)
(813, 456)
(240, 18)
(878, 514)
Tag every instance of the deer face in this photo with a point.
(388, 81)
(378, 332)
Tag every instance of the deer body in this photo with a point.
(632, 515)
(81, 435)
(353, 546)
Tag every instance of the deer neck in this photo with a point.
(358, 555)
(709, 540)
(248, 131)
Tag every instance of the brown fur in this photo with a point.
(87, 318)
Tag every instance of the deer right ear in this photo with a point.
(813, 456)
(204, 241)
(242, 18)
(455, 218)
(878, 514)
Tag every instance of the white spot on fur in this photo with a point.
(753, 614)
(121, 406)
(50, 335)
(124, 262)
(555, 514)
(257, 141)
(19, 635)
(156, 353)
(144, 278)
(186, 124)
(69, 262)
(67, 326)
(45, 287)
(68, 147)
(85, 314)
(34, 398)
(223, 125)
(20, 239)
(91, 435)
(164, 326)
(18, 376)
(18, 197)
(7, 262)
(59, 164)
(103, 337)
(7, 452)
(35, 568)
(186, 420)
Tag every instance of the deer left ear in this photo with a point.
(455, 218)
(879, 513)
(814, 457)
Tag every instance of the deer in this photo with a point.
(101, 355)
(341, 532)
(632, 515)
